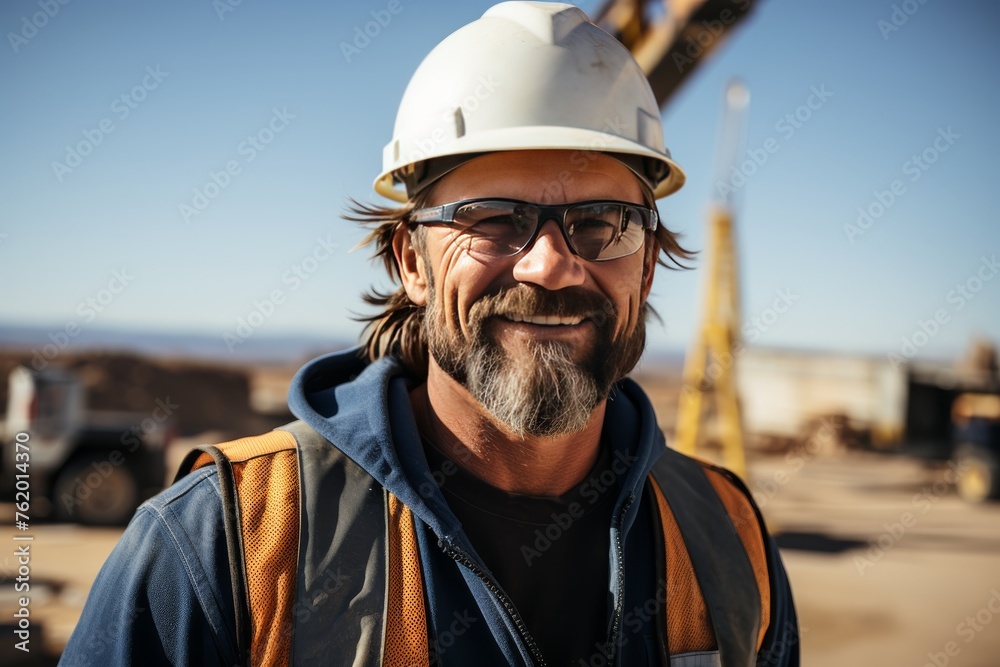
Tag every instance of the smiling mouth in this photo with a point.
(546, 320)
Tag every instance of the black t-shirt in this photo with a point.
(550, 555)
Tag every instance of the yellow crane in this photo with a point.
(670, 39)
(710, 364)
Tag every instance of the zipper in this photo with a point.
(464, 559)
(612, 645)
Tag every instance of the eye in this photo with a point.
(592, 235)
(496, 219)
(596, 222)
(591, 225)
(500, 225)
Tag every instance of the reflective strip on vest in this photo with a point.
(265, 473)
(406, 620)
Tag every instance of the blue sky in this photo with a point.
(199, 80)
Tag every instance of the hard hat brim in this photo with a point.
(516, 139)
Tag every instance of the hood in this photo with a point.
(364, 409)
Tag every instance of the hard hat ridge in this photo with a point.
(550, 22)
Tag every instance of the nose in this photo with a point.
(549, 262)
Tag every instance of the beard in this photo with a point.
(551, 387)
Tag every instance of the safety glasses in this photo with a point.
(597, 231)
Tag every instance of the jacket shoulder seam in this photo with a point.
(174, 493)
(159, 513)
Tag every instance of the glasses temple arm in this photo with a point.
(432, 214)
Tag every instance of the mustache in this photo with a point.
(524, 299)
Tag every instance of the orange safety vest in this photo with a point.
(717, 579)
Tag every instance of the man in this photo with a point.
(479, 485)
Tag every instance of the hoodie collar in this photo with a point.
(364, 409)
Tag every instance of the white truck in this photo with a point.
(931, 410)
(787, 394)
(89, 467)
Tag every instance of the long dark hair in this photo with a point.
(396, 326)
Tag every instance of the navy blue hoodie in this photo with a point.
(164, 595)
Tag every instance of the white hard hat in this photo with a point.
(526, 76)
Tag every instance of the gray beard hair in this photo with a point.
(543, 393)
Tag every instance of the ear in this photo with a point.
(412, 271)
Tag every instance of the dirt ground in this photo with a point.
(888, 566)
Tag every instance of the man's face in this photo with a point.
(538, 338)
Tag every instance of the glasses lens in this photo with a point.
(604, 231)
(496, 228)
